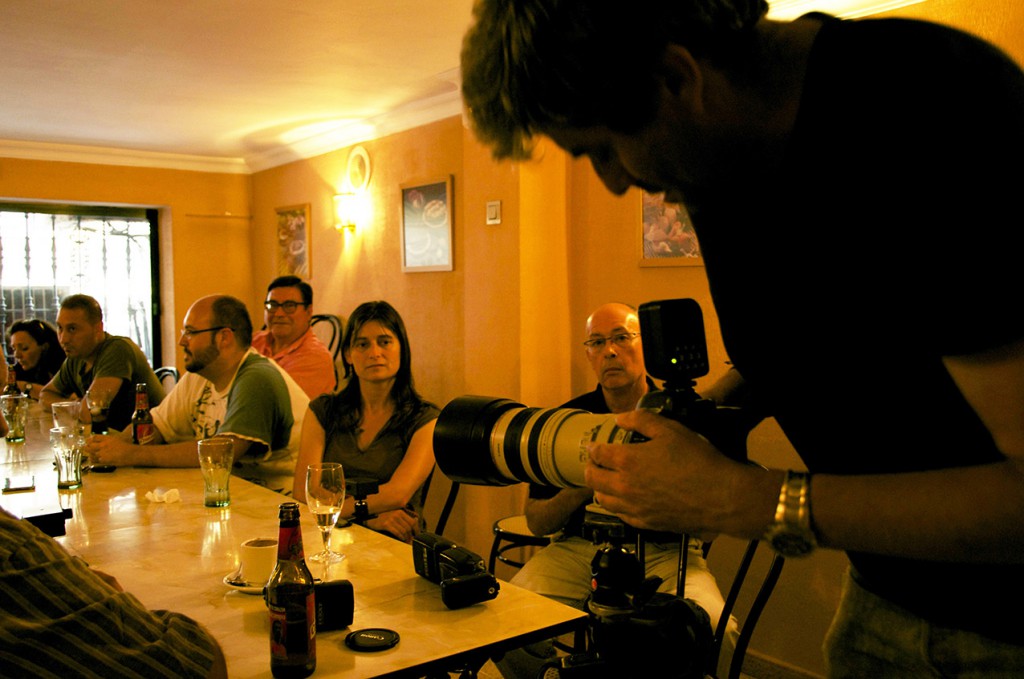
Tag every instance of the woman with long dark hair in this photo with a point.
(37, 354)
(377, 426)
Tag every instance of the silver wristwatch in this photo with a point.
(791, 534)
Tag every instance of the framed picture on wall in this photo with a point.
(293, 241)
(666, 234)
(427, 226)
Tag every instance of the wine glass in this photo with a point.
(325, 493)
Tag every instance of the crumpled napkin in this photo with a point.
(169, 496)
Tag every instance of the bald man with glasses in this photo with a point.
(562, 570)
(289, 339)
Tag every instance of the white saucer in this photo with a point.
(244, 587)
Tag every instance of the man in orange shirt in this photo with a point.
(289, 340)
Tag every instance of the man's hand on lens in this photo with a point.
(677, 481)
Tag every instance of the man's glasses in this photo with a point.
(187, 333)
(622, 339)
(289, 307)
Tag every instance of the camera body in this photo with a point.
(335, 604)
(456, 561)
(426, 552)
(459, 571)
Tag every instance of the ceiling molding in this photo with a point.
(98, 155)
(420, 112)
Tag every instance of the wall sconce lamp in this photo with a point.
(351, 206)
(346, 208)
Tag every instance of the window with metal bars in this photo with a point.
(48, 252)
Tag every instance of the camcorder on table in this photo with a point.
(460, 572)
(491, 441)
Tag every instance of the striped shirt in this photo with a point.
(58, 618)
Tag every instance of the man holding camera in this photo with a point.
(562, 570)
(834, 170)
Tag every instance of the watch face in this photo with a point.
(789, 544)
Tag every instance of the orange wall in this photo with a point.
(463, 325)
(348, 269)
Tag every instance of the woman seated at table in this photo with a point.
(37, 353)
(377, 426)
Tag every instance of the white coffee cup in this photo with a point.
(257, 559)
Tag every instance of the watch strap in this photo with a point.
(791, 533)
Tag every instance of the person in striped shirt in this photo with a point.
(63, 618)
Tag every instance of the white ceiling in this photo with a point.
(230, 85)
(241, 83)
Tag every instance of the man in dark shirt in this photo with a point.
(850, 183)
(98, 362)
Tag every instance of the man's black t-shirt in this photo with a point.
(885, 241)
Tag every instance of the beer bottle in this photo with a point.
(11, 388)
(290, 599)
(142, 421)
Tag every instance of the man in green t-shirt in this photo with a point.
(228, 389)
(96, 360)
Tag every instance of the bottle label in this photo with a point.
(293, 630)
(142, 433)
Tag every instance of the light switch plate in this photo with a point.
(494, 212)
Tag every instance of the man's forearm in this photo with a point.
(48, 396)
(183, 454)
(550, 515)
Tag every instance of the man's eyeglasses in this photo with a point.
(289, 306)
(622, 339)
(187, 333)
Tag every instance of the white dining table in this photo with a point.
(176, 555)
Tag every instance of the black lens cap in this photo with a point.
(371, 639)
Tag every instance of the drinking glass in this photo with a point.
(15, 410)
(216, 456)
(67, 452)
(325, 493)
(65, 413)
(99, 406)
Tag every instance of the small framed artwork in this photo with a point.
(427, 226)
(667, 237)
(293, 241)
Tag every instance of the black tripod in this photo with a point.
(631, 625)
